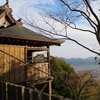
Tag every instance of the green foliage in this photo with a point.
(58, 64)
(59, 70)
(40, 58)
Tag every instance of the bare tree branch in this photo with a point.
(69, 24)
(50, 33)
(65, 19)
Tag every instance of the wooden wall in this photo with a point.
(35, 73)
(13, 70)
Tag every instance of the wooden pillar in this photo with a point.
(50, 82)
(25, 58)
(48, 57)
(50, 90)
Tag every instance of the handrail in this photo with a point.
(25, 63)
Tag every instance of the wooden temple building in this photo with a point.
(17, 47)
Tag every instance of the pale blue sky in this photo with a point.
(68, 49)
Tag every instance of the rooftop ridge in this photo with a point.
(6, 17)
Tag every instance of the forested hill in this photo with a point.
(80, 62)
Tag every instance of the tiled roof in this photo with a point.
(22, 32)
(11, 28)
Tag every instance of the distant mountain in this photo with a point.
(82, 63)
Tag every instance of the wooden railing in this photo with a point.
(9, 91)
(15, 69)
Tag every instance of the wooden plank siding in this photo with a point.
(10, 68)
(13, 70)
(35, 73)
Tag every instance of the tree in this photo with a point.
(59, 70)
(83, 85)
(67, 14)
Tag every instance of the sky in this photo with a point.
(68, 49)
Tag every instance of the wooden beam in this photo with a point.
(48, 57)
(37, 48)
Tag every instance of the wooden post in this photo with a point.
(23, 92)
(48, 55)
(50, 91)
(25, 59)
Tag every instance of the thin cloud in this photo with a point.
(68, 49)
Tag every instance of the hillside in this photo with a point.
(80, 63)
